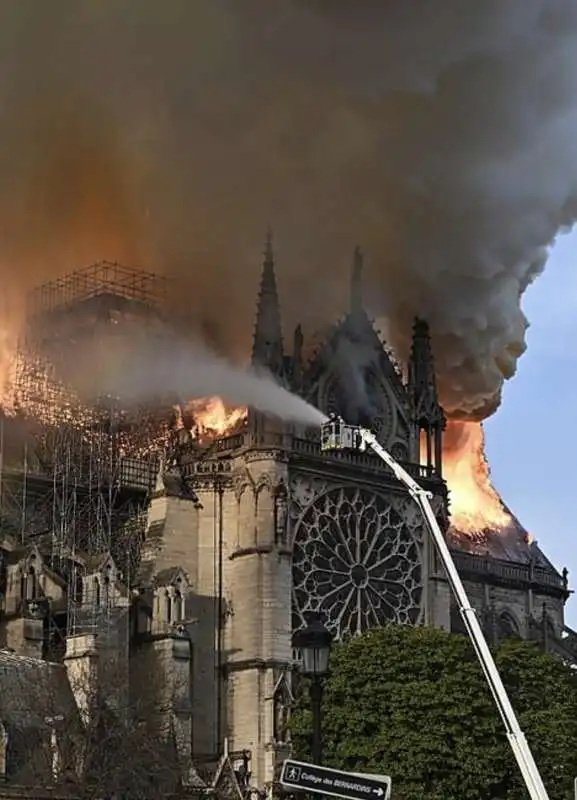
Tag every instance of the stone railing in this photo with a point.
(234, 442)
(207, 467)
(365, 460)
(507, 571)
(304, 447)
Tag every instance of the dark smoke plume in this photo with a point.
(439, 134)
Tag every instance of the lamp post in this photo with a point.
(315, 642)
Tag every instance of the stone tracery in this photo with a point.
(356, 561)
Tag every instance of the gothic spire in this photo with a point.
(422, 381)
(357, 282)
(428, 415)
(267, 350)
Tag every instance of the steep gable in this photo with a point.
(353, 375)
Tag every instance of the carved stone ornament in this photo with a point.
(357, 560)
(36, 609)
(303, 491)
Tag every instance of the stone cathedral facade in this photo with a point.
(247, 535)
(273, 529)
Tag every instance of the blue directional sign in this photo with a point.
(333, 782)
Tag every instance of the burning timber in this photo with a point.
(78, 468)
(195, 526)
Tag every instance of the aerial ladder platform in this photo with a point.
(336, 434)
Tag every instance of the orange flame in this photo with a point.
(8, 366)
(9, 333)
(215, 418)
(475, 504)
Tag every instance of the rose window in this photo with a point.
(356, 562)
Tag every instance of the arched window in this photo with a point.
(31, 584)
(168, 606)
(282, 704)
(177, 606)
(96, 587)
(507, 626)
(106, 587)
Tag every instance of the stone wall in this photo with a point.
(257, 589)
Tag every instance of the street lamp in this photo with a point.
(314, 642)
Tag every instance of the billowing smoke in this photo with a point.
(439, 135)
(194, 371)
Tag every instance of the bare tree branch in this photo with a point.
(117, 744)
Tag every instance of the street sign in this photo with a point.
(333, 782)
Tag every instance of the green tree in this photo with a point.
(413, 703)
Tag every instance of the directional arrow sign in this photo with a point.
(333, 782)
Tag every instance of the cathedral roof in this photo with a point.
(511, 544)
(170, 575)
(96, 561)
(355, 330)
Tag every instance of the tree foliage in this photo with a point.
(413, 703)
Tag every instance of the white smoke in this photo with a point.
(190, 371)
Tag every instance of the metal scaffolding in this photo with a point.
(99, 279)
(87, 468)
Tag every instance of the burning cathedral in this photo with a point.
(188, 546)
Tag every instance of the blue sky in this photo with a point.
(532, 439)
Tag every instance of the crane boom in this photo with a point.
(337, 435)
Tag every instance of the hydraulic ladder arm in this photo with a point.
(337, 435)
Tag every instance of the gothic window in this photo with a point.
(368, 405)
(106, 587)
(32, 584)
(379, 416)
(507, 626)
(177, 606)
(96, 584)
(170, 595)
(280, 516)
(29, 584)
(168, 606)
(356, 562)
(282, 704)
